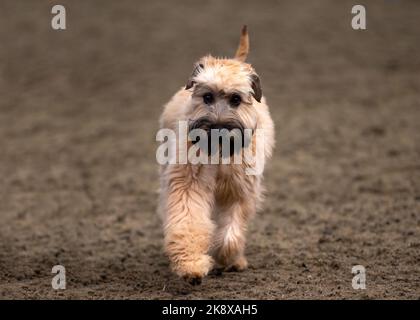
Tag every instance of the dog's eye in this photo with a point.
(235, 100)
(208, 98)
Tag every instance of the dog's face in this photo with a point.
(225, 95)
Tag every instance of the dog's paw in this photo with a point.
(194, 281)
(238, 266)
(217, 271)
(194, 270)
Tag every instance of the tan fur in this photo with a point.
(206, 208)
(243, 48)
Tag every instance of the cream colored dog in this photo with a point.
(206, 207)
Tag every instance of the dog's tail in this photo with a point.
(243, 48)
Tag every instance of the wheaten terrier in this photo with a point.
(206, 207)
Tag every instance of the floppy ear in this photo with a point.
(256, 87)
(190, 82)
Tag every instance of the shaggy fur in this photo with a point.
(206, 207)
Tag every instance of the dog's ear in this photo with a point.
(243, 48)
(256, 87)
(190, 83)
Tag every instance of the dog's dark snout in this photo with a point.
(227, 126)
(201, 123)
(223, 131)
(208, 124)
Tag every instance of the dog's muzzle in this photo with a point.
(225, 132)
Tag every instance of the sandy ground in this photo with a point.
(78, 118)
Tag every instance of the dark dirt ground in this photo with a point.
(78, 118)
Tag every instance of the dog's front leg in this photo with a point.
(188, 225)
(229, 250)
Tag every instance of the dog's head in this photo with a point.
(225, 92)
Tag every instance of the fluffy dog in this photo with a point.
(206, 207)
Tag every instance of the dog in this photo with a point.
(205, 207)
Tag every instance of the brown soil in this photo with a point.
(78, 118)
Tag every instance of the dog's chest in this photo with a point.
(231, 184)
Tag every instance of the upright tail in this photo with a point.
(243, 48)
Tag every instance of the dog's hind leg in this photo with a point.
(188, 227)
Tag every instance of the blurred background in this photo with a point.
(79, 112)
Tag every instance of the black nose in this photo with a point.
(208, 123)
(203, 123)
